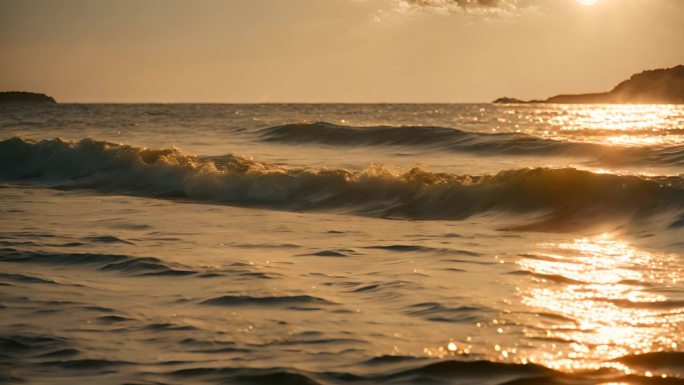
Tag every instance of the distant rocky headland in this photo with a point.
(660, 86)
(24, 97)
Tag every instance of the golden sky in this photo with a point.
(331, 50)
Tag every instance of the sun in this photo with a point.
(587, 2)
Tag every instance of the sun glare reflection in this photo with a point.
(618, 124)
(603, 289)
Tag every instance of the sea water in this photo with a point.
(340, 243)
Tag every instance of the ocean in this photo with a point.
(341, 244)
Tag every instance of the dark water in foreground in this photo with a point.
(335, 244)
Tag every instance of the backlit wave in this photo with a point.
(614, 150)
(558, 197)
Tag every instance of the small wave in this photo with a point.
(136, 266)
(548, 277)
(657, 361)
(424, 249)
(405, 248)
(437, 312)
(168, 326)
(362, 289)
(293, 301)
(85, 364)
(31, 344)
(60, 353)
(494, 372)
(444, 372)
(17, 350)
(212, 346)
(452, 139)
(383, 360)
(488, 372)
(667, 304)
(22, 278)
(112, 319)
(107, 239)
(248, 376)
(331, 253)
(566, 197)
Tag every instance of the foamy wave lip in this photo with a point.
(563, 197)
(451, 139)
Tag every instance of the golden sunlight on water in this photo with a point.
(601, 287)
(619, 124)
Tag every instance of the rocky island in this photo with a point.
(24, 97)
(660, 86)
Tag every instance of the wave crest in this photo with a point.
(563, 196)
(451, 139)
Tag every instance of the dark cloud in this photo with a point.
(466, 6)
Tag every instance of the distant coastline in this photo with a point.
(25, 97)
(660, 86)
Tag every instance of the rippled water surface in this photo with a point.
(335, 244)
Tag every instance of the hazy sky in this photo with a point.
(331, 50)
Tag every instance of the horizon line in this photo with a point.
(271, 102)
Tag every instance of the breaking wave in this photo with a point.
(560, 196)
